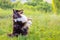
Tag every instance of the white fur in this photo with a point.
(23, 18)
(28, 24)
(15, 20)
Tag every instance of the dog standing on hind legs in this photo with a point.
(20, 23)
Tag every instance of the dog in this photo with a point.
(20, 23)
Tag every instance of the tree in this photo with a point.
(5, 4)
(40, 5)
(56, 6)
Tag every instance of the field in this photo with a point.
(45, 26)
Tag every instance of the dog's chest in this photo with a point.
(22, 18)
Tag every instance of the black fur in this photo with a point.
(17, 26)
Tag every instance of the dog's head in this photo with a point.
(17, 13)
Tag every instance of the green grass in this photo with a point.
(45, 26)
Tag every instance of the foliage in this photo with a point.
(37, 4)
(5, 4)
(57, 4)
(40, 5)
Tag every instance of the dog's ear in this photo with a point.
(13, 10)
(22, 10)
(19, 10)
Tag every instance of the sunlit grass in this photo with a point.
(45, 26)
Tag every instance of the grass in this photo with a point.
(46, 26)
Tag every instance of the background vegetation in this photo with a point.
(46, 24)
